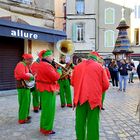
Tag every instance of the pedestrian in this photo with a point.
(113, 68)
(64, 82)
(46, 83)
(131, 72)
(123, 70)
(21, 73)
(89, 81)
(138, 70)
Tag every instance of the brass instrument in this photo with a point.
(65, 47)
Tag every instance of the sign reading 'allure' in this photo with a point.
(23, 34)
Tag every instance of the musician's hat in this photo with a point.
(27, 56)
(45, 53)
(100, 59)
(94, 55)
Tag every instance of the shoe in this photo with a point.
(24, 121)
(29, 117)
(128, 81)
(52, 132)
(119, 89)
(62, 106)
(47, 132)
(36, 111)
(28, 121)
(132, 82)
(124, 90)
(102, 108)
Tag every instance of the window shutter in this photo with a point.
(74, 26)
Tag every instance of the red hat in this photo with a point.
(27, 56)
(94, 55)
(44, 53)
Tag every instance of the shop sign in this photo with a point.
(23, 34)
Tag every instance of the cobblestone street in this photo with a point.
(118, 121)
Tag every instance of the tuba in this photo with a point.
(65, 47)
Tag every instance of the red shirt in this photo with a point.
(47, 77)
(34, 67)
(20, 71)
(89, 80)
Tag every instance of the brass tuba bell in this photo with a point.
(65, 47)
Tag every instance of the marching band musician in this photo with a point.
(89, 81)
(21, 73)
(35, 93)
(64, 82)
(46, 84)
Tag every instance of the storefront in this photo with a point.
(15, 39)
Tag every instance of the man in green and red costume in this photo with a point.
(89, 81)
(21, 73)
(46, 84)
(35, 93)
(64, 82)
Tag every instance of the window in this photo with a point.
(109, 16)
(136, 36)
(79, 6)
(78, 32)
(109, 38)
(24, 1)
(137, 11)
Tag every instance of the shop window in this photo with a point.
(80, 6)
(109, 38)
(109, 16)
(136, 36)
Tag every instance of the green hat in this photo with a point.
(93, 55)
(47, 53)
(44, 53)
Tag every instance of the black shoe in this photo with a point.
(29, 117)
(128, 81)
(36, 111)
(62, 106)
(52, 132)
(28, 121)
(132, 82)
(102, 108)
(124, 90)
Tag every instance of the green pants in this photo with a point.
(65, 92)
(87, 122)
(48, 110)
(24, 99)
(36, 99)
(103, 98)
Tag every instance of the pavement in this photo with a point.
(118, 121)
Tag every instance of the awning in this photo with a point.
(25, 31)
